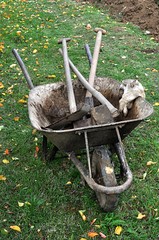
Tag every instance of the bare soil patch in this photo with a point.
(144, 13)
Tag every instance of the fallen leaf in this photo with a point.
(109, 170)
(6, 152)
(22, 101)
(141, 216)
(19, 33)
(16, 228)
(20, 204)
(5, 161)
(1, 47)
(1, 104)
(102, 235)
(118, 230)
(149, 163)
(28, 203)
(36, 151)
(34, 131)
(16, 119)
(81, 212)
(68, 183)
(13, 65)
(51, 76)
(92, 234)
(35, 51)
(97, 226)
(88, 26)
(144, 176)
(1, 85)
(156, 104)
(2, 178)
(93, 221)
(1, 127)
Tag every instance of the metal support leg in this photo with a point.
(88, 155)
(44, 147)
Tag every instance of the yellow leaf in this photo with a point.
(28, 203)
(35, 51)
(97, 226)
(22, 101)
(51, 76)
(16, 119)
(156, 104)
(141, 216)
(19, 33)
(81, 212)
(2, 178)
(92, 234)
(34, 131)
(118, 230)
(109, 170)
(149, 163)
(5, 161)
(1, 47)
(154, 70)
(68, 183)
(1, 85)
(16, 228)
(83, 239)
(20, 204)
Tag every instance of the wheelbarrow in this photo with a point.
(48, 103)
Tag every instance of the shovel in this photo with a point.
(74, 113)
(100, 114)
(105, 112)
(114, 111)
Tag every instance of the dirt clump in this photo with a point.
(144, 13)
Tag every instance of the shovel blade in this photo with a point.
(63, 122)
(101, 115)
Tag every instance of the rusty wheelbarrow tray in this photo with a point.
(48, 102)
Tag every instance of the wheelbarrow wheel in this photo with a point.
(103, 173)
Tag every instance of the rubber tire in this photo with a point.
(103, 173)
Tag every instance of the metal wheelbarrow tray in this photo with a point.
(48, 103)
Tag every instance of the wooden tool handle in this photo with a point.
(95, 59)
(71, 96)
(114, 111)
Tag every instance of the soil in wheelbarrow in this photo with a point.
(145, 13)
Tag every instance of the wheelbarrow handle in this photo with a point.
(89, 54)
(23, 68)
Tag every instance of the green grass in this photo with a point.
(51, 206)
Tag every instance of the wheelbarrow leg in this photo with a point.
(53, 152)
(44, 147)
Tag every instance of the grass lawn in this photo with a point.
(36, 200)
